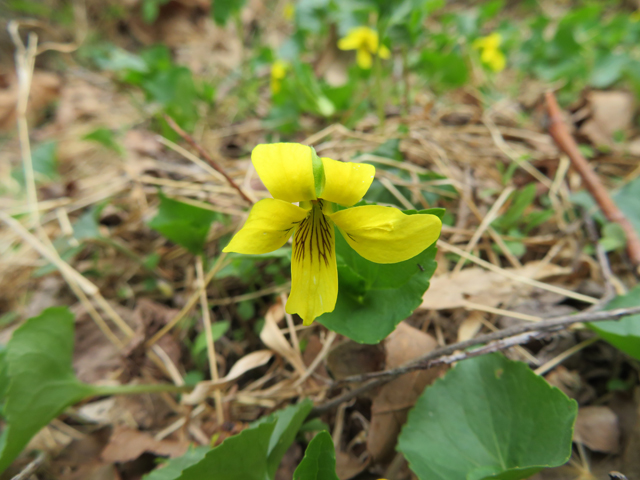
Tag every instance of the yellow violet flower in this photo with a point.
(490, 52)
(289, 11)
(365, 42)
(278, 72)
(293, 173)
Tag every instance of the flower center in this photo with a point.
(313, 236)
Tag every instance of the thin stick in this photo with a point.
(542, 369)
(211, 349)
(31, 468)
(189, 139)
(290, 325)
(495, 341)
(558, 130)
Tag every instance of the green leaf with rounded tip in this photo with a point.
(623, 334)
(488, 417)
(41, 380)
(319, 462)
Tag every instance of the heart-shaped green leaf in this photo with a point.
(374, 298)
(41, 381)
(489, 417)
(319, 462)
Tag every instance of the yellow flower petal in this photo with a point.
(270, 224)
(497, 61)
(385, 234)
(363, 58)
(279, 69)
(354, 39)
(384, 52)
(314, 274)
(286, 169)
(490, 42)
(346, 183)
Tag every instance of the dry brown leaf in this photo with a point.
(203, 389)
(610, 112)
(351, 358)
(127, 444)
(567, 381)
(597, 428)
(392, 403)
(348, 465)
(477, 285)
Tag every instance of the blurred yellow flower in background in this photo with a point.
(490, 52)
(289, 11)
(278, 72)
(365, 42)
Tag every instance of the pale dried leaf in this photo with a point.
(470, 326)
(597, 428)
(248, 362)
(478, 285)
(611, 111)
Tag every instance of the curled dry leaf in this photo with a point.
(248, 362)
(597, 428)
(276, 341)
(453, 290)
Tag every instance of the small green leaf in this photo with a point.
(623, 334)
(253, 454)
(41, 380)
(489, 417)
(319, 462)
(106, 138)
(182, 223)
(173, 468)
(223, 9)
(613, 237)
(241, 457)
(288, 422)
(218, 329)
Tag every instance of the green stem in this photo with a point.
(380, 97)
(101, 390)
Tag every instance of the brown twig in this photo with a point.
(495, 341)
(189, 139)
(559, 132)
